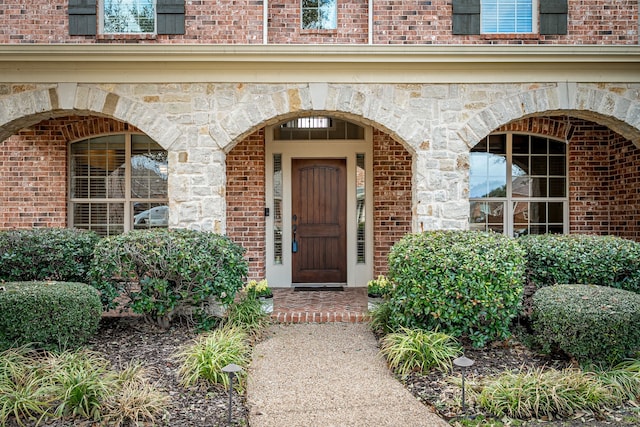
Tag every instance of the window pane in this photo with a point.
(488, 175)
(556, 213)
(150, 215)
(277, 208)
(539, 187)
(539, 165)
(557, 187)
(538, 212)
(487, 216)
(507, 16)
(106, 219)
(520, 144)
(149, 169)
(557, 165)
(129, 16)
(319, 14)
(360, 207)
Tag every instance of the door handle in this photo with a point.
(294, 229)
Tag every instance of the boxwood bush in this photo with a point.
(46, 254)
(582, 259)
(161, 271)
(594, 324)
(49, 315)
(463, 283)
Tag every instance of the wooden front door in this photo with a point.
(319, 220)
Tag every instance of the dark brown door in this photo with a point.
(319, 220)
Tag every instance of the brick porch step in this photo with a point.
(349, 306)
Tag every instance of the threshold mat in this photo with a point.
(317, 288)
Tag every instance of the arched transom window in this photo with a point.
(518, 185)
(118, 183)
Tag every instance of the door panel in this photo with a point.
(319, 220)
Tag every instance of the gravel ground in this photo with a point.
(328, 375)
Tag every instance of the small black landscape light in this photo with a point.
(463, 362)
(231, 369)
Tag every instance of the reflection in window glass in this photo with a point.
(117, 183)
(535, 194)
(319, 14)
(128, 16)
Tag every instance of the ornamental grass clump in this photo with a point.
(415, 350)
(623, 380)
(544, 393)
(462, 283)
(203, 360)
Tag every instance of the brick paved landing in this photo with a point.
(349, 305)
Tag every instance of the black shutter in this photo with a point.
(170, 16)
(82, 17)
(553, 16)
(466, 17)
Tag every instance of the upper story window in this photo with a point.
(127, 16)
(518, 185)
(319, 14)
(118, 183)
(544, 17)
(507, 16)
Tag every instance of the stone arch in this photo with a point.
(358, 103)
(601, 104)
(27, 108)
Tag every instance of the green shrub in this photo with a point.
(51, 315)
(460, 283)
(246, 312)
(203, 360)
(581, 259)
(46, 254)
(160, 271)
(414, 350)
(544, 393)
(594, 324)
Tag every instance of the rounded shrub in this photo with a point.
(48, 315)
(61, 254)
(582, 259)
(463, 283)
(594, 324)
(161, 271)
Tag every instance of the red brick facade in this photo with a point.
(394, 22)
(33, 169)
(604, 172)
(246, 200)
(392, 176)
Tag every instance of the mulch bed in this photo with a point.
(439, 391)
(122, 340)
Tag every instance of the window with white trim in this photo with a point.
(127, 16)
(319, 14)
(507, 16)
(118, 183)
(518, 185)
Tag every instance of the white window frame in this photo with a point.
(101, 17)
(534, 20)
(508, 201)
(334, 21)
(128, 200)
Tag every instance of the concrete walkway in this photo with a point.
(328, 375)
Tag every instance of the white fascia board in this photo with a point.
(92, 63)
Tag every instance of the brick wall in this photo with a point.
(625, 188)
(391, 197)
(604, 175)
(246, 200)
(33, 170)
(402, 22)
